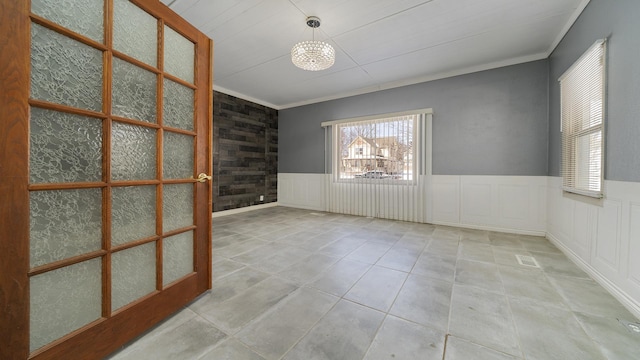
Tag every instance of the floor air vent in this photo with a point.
(529, 261)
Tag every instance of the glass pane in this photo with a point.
(133, 152)
(134, 92)
(133, 213)
(133, 274)
(82, 16)
(177, 257)
(65, 71)
(64, 300)
(377, 149)
(64, 223)
(178, 156)
(64, 147)
(177, 206)
(588, 165)
(178, 105)
(135, 32)
(179, 55)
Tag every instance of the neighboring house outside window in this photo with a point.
(377, 149)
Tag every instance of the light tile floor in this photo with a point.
(297, 284)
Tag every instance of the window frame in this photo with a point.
(573, 126)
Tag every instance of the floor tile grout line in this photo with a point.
(444, 347)
(455, 272)
(586, 333)
(485, 346)
(373, 338)
(513, 318)
(566, 302)
(310, 328)
(395, 298)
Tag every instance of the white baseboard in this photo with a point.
(243, 209)
(490, 228)
(628, 302)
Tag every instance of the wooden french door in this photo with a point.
(105, 127)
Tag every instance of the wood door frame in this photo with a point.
(117, 329)
(14, 178)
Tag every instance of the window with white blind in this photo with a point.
(379, 166)
(582, 91)
(376, 149)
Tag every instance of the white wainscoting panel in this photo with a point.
(560, 215)
(632, 254)
(475, 200)
(445, 191)
(584, 227)
(501, 203)
(601, 236)
(607, 241)
(304, 191)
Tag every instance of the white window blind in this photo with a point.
(582, 91)
(377, 166)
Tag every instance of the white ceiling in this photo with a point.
(379, 44)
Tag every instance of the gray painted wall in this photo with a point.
(492, 122)
(617, 20)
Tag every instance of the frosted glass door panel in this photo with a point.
(135, 32)
(133, 152)
(179, 55)
(177, 156)
(64, 223)
(65, 71)
(85, 17)
(178, 105)
(177, 206)
(64, 300)
(133, 274)
(134, 92)
(64, 147)
(133, 213)
(177, 252)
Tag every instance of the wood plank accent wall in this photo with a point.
(245, 153)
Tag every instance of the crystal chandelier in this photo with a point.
(313, 55)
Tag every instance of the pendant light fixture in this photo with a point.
(313, 55)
